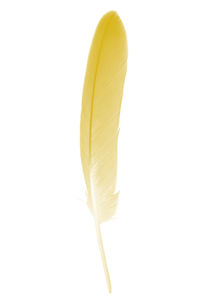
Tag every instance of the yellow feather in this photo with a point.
(101, 103)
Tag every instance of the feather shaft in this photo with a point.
(103, 256)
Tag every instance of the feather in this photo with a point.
(99, 127)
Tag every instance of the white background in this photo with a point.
(48, 246)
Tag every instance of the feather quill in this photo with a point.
(99, 127)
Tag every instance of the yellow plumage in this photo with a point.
(101, 103)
